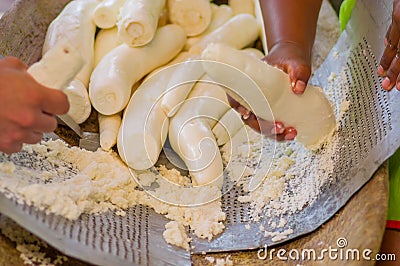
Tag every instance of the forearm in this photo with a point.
(291, 21)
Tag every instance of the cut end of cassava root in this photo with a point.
(103, 19)
(79, 103)
(109, 102)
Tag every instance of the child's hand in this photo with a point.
(390, 61)
(27, 109)
(295, 61)
(292, 59)
(270, 129)
(290, 28)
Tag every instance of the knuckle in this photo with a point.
(15, 62)
(394, 69)
(37, 138)
(60, 101)
(16, 136)
(9, 147)
(51, 126)
(396, 15)
(35, 97)
(386, 59)
(27, 119)
(64, 102)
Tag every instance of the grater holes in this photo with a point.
(235, 211)
(359, 130)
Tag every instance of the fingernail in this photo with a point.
(386, 84)
(385, 41)
(398, 86)
(290, 133)
(381, 71)
(299, 87)
(246, 115)
(241, 110)
(244, 112)
(278, 129)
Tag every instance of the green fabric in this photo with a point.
(346, 8)
(394, 187)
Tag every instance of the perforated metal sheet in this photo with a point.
(368, 135)
(106, 239)
(368, 132)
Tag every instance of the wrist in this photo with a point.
(289, 46)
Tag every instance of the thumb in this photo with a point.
(54, 102)
(299, 75)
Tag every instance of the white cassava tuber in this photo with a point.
(239, 31)
(76, 25)
(138, 21)
(108, 128)
(193, 15)
(310, 113)
(106, 13)
(144, 125)
(191, 136)
(112, 79)
(220, 15)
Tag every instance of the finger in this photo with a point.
(45, 123)
(232, 102)
(299, 76)
(245, 113)
(267, 128)
(32, 137)
(390, 49)
(385, 41)
(54, 102)
(11, 142)
(14, 62)
(23, 136)
(393, 33)
(10, 148)
(398, 82)
(252, 122)
(280, 137)
(392, 73)
(290, 133)
(278, 128)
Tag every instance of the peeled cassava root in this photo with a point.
(193, 15)
(190, 132)
(227, 127)
(106, 40)
(242, 6)
(220, 15)
(313, 115)
(180, 83)
(50, 71)
(144, 127)
(106, 13)
(189, 71)
(239, 31)
(76, 25)
(112, 79)
(138, 21)
(108, 128)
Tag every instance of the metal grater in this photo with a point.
(368, 135)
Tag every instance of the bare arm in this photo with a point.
(290, 29)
